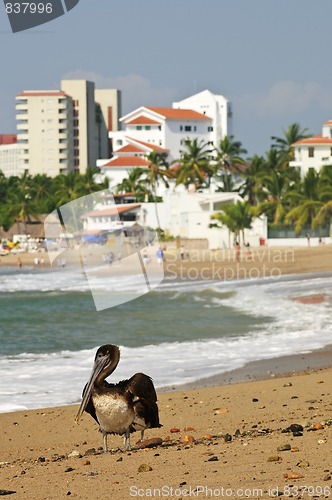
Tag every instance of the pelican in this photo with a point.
(121, 408)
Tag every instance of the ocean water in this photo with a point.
(180, 332)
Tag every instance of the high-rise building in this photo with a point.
(65, 130)
(11, 161)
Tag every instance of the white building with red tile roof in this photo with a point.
(314, 152)
(132, 155)
(204, 116)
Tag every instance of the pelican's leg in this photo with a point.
(127, 440)
(142, 434)
(105, 442)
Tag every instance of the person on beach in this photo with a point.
(160, 256)
(18, 264)
(308, 239)
(145, 258)
(182, 253)
(237, 251)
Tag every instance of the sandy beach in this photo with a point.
(231, 441)
(259, 432)
(258, 262)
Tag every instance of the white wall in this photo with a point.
(295, 242)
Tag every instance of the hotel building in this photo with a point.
(65, 130)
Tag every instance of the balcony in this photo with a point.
(21, 102)
(22, 128)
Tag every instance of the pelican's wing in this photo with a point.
(144, 398)
(140, 386)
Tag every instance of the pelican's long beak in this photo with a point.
(98, 366)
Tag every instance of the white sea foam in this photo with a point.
(34, 381)
(44, 380)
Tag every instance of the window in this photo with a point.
(311, 152)
(210, 129)
(119, 142)
(159, 127)
(139, 127)
(181, 128)
(187, 128)
(147, 127)
(195, 128)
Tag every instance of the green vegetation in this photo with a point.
(25, 198)
(267, 185)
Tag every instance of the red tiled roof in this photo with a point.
(115, 210)
(8, 139)
(316, 139)
(328, 122)
(149, 145)
(41, 93)
(143, 120)
(126, 161)
(180, 114)
(130, 148)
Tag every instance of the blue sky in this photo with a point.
(269, 57)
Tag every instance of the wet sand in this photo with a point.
(217, 442)
(229, 429)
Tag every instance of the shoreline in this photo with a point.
(222, 436)
(264, 369)
(223, 441)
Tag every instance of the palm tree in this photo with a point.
(195, 164)
(86, 183)
(42, 191)
(222, 219)
(21, 207)
(158, 171)
(67, 188)
(228, 184)
(275, 185)
(134, 184)
(228, 155)
(251, 188)
(307, 201)
(236, 217)
(283, 145)
(324, 215)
